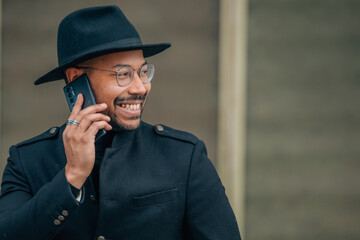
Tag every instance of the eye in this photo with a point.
(125, 73)
(144, 71)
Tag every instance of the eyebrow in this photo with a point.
(125, 65)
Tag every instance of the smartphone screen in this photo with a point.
(81, 85)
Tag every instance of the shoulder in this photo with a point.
(164, 131)
(51, 133)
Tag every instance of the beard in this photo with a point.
(116, 124)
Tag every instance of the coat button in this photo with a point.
(53, 130)
(159, 128)
(57, 222)
(65, 213)
(61, 218)
(92, 198)
(101, 238)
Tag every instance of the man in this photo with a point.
(137, 181)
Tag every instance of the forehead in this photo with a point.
(132, 58)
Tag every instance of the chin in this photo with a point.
(122, 126)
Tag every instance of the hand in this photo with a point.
(79, 141)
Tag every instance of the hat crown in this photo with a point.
(92, 32)
(90, 28)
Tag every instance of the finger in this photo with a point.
(77, 106)
(93, 109)
(96, 126)
(97, 108)
(69, 126)
(79, 115)
(91, 118)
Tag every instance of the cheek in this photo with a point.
(102, 88)
(99, 95)
(105, 94)
(148, 87)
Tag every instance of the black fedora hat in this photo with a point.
(95, 31)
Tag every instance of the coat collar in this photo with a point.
(123, 138)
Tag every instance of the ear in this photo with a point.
(73, 73)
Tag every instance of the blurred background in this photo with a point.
(295, 171)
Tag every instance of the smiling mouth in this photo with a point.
(133, 107)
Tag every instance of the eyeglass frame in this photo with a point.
(137, 70)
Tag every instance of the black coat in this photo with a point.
(154, 184)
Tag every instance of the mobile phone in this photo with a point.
(81, 85)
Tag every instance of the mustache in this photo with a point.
(131, 98)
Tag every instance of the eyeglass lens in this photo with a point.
(126, 74)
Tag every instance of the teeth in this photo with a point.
(130, 106)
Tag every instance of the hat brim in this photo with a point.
(58, 73)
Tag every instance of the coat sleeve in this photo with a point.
(208, 212)
(24, 215)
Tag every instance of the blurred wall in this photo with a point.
(184, 90)
(303, 156)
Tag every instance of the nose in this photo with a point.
(136, 86)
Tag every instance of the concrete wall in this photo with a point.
(303, 120)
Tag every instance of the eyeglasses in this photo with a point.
(125, 74)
